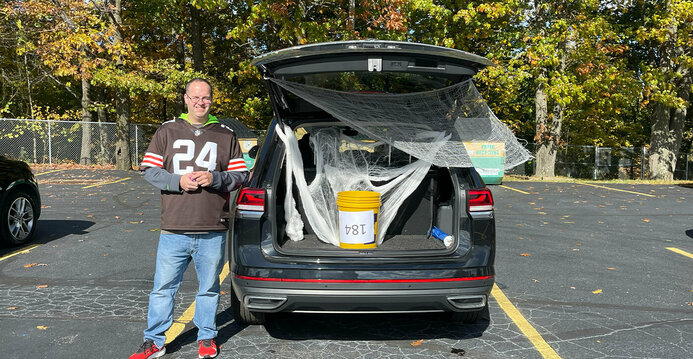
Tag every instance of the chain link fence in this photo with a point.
(41, 141)
(51, 142)
(601, 163)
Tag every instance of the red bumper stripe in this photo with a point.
(364, 280)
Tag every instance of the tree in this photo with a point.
(666, 46)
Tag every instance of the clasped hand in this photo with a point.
(193, 180)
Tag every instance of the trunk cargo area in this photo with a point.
(432, 203)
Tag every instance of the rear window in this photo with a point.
(376, 82)
(363, 82)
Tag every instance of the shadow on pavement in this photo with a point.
(372, 327)
(50, 230)
(689, 233)
(227, 329)
(410, 327)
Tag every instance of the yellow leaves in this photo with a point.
(598, 291)
(40, 286)
(42, 327)
(416, 343)
(13, 308)
(645, 219)
(525, 254)
(30, 265)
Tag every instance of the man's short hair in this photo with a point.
(199, 79)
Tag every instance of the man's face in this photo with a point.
(198, 98)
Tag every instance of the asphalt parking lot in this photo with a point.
(583, 271)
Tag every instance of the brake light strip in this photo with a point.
(363, 280)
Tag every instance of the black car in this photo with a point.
(20, 202)
(411, 271)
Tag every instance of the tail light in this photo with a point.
(251, 199)
(480, 200)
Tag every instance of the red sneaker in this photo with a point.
(208, 349)
(148, 350)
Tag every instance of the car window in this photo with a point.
(383, 82)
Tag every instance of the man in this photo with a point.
(195, 162)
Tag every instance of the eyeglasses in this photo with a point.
(197, 99)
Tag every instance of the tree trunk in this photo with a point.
(196, 29)
(122, 150)
(31, 103)
(351, 23)
(665, 141)
(668, 121)
(103, 138)
(546, 148)
(180, 58)
(85, 156)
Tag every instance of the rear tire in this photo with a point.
(17, 219)
(242, 315)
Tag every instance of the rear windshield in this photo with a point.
(378, 82)
(363, 82)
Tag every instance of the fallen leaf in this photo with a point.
(535, 280)
(689, 303)
(611, 268)
(416, 343)
(42, 286)
(105, 255)
(598, 291)
(117, 217)
(572, 287)
(41, 327)
(154, 230)
(134, 222)
(12, 308)
(525, 254)
(30, 265)
(645, 220)
(141, 213)
(578, 244)
(223, 292)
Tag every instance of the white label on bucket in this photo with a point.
(356, 227)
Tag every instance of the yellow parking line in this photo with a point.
(19, 251)
(43, 173)
(616, 189)
(101, 184)
(516, 190)
(179, 324)
(527, 329)
(681, 252)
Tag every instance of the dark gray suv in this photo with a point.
(410, 271)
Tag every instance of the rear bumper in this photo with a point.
(327, 297)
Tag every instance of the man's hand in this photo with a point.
(202, 178)
(187, 182)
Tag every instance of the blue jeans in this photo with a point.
(172, 259)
